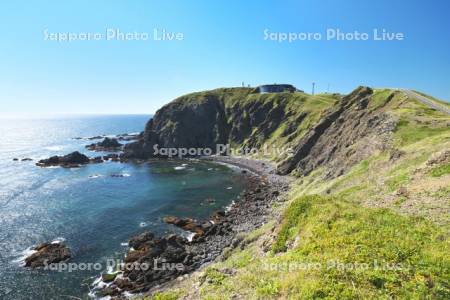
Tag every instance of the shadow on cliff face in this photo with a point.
(206, 122)
(345, 134)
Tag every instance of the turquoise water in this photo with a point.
(92, 211)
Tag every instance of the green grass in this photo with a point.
(168, 295)
(296, 211)
(440, 170)
(396, 181)
(408, 133)
(336, 231)
(267, 287)
(343, 251)
(214, 276)
(380, 98)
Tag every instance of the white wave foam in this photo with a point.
(180, 168)
(228, 208)
(190, 236)
(124, 244)
(95, 176)
(98, 284)
(58, 240)
(23, 255)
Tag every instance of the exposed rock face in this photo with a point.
(108, 144)
(207, 120)
(178, 125)
(48, 253)
(343, 135)
(138, 241)
(72, 160)
(348, 134)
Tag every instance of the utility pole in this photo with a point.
(313, 86)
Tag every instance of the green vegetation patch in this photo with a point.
(396, 181)
(440, 170)
(380, 98)
(168, 295)
(360, 253)
(408, 132)
(214, 276)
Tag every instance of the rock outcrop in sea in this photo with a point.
(46, 254)
(108, 144)
(71, 160)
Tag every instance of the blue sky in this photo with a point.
(223, 45)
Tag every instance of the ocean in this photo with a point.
(90, 208)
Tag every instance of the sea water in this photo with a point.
(90, 208)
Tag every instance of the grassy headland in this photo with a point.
(378, 231)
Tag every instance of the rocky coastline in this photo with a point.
(170, 257)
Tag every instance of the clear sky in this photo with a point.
(223, 44)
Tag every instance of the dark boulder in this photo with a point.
(108, 144)
(74, 159)
(138, 241)
(152, 261)
(187, 224)
(47, 253)
(97, 137)
(96, 160)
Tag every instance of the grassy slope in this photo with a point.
(381, 231)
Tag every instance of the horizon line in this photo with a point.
(13, 115)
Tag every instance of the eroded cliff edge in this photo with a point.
(323, 130)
